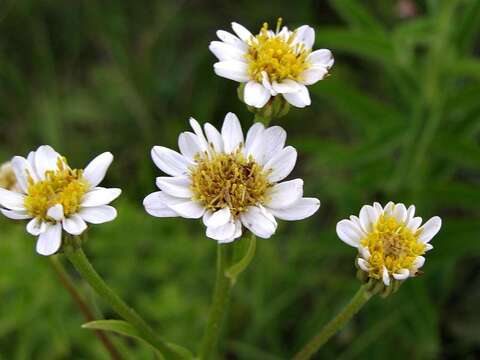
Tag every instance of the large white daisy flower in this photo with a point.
(230, 182)
(271, 63)
(390, 241)
(54, 196)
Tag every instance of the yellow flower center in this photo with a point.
(228, 180)
(277, 56)
(393, 245)
(61, 186)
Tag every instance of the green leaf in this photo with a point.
(235, 270)
(357, 15)
(372, 114)
(367, 45)
(126, 329)
(468, 26)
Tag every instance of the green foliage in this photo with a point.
(398, 119)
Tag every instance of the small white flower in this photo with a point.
(54, 196)
(271, 63)
(390, 241)
(230, 182)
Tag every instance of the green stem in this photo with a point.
(68, 284)
(79, 260)
(337, 323)
(221, 296)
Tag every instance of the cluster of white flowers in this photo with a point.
(229, 180)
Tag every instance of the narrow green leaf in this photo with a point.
(372, 114)
(356, 15)
(468, 26)
(366, 45)
(124, 328)
(235, 270)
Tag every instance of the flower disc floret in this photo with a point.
(62, 186)
(277, 56)
(222, 180)
(392, 245)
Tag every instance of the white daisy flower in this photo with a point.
(230, 182)
(54, 196)
(271, 63)
(390, 241)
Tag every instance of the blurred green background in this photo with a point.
(398, 119)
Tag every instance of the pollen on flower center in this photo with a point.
(276, 55)
(61, 186)
(393, 245)
(228, 180)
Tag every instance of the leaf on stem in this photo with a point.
(235, 270)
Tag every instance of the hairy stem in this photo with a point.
(220, 301)
(335, 325)
(68, 284)
(79, 260)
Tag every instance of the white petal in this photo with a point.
(255, 94)
(100, 196)
(364, 265)
(231, 133)
(388, 209)
(231, 39)
(241, 31)
(281, 164)
(233, 70)
(254, 145)
(266, 83)
(55, 212)
(430, 229)
(224, 233)
(23, 169)
(12, 200)
(385, 277)
(169, 161)
(400, 213)
(188, 209)
(15, 215)
(285, 194)
(218, 218)
(313, 74)
(415, 223)
(214, 137)
(156, 204)
(178, 186)
(45, 159)
(368, 217)
(418, 263)
(36, 226)
(286, 86)
(428, 247)
(301, 209)
(50, 240)
(74, 224)
(197, 129)
(322, 57)
(190, 145)
(225, 51)
(300, 98)
(238, 229)
(259, 222)
(98, 214)
(402, 274)
(306, 35)
(97, 168)
(364, 252)
(272, 141)
(350, 233)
